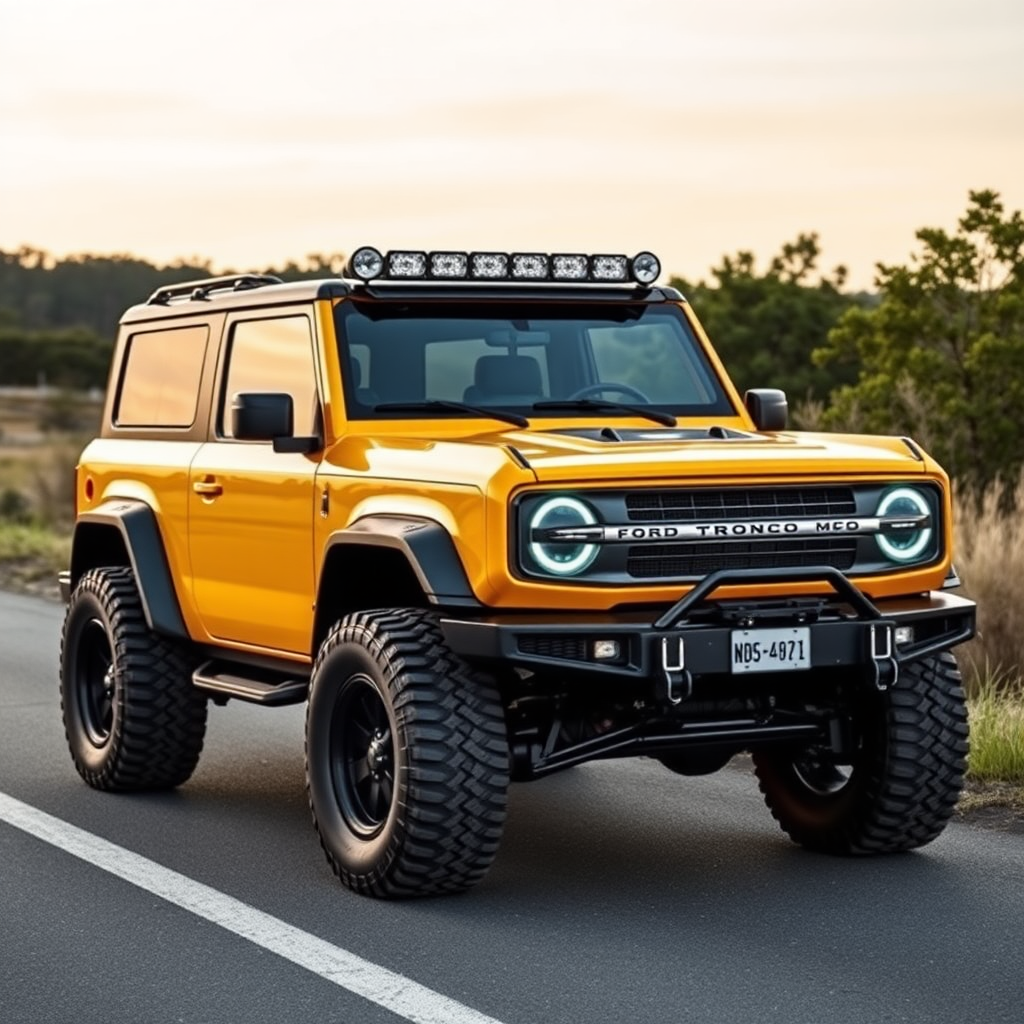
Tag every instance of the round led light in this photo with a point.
(366, 263)
(906, 544)
(561, 559)
(646, 268)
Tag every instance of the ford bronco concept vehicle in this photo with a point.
(492, 515)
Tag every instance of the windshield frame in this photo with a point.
(571, 319)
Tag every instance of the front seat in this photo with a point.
(505, 380)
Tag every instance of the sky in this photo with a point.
(252, 133)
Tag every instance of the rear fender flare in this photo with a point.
(136, 525)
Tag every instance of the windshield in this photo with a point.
(513, 356)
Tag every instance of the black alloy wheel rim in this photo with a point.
(362, 756)
(822, 776)
(94, 683)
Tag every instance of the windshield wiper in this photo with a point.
(664, 418)
(443, 405)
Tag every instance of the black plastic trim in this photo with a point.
(137, 524)
(554, 291)
(427, 546)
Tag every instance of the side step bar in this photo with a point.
(223, 681)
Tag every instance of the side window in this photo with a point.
(272, 355)
(160, 379)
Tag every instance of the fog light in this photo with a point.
(646, 268)
(904, 634)
(606, 650)
(367, 263)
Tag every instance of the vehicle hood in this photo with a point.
(560, 456)
(566, 457)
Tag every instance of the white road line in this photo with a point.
(393, 991)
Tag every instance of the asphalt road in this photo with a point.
(621, 893)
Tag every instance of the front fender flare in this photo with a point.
(427, 546)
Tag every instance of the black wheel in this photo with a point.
(406, 758)
(601, 386)
(898, 789)
(132, 717)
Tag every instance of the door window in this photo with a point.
(274, 354)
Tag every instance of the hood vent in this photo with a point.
(668, 435)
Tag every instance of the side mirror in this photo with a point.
(269, 416)
(768, 408)
(261, 416)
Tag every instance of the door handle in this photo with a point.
(207, 488)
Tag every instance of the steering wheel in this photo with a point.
(600, 386)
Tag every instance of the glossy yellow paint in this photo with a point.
(245, 537)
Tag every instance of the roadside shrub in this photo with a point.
(997, 730)
(14, 506)
(989, 556)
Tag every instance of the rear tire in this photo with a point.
(132, 718)
(899, 789)
(407, 764)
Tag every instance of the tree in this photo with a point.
(765, 326)
(941, 357)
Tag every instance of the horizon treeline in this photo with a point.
(936, 352)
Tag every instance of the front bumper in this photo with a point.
(694, 637)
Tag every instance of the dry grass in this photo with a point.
(989, 555)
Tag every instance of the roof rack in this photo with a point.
(199, 291)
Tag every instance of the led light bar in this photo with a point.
(448, 264)
(368, 264)
(490, 265)
(407, 264)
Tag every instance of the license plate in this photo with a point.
(771, 650)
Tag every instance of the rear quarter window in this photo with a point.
(159, 384)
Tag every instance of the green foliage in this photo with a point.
(58, 318)
(997, 732)
(14, 506)
(941, 357)
(765, 326)
(67, 358)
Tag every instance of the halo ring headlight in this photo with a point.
(904, 545)
(560, 559)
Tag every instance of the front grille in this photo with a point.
(682, 506)
(550, 645)
(653, 561)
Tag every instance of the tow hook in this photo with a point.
(887, 669)
(678, 683)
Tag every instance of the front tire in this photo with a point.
(407, 763)
(132, 718)
(899, 788)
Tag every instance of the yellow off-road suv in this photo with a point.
(491, 515)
